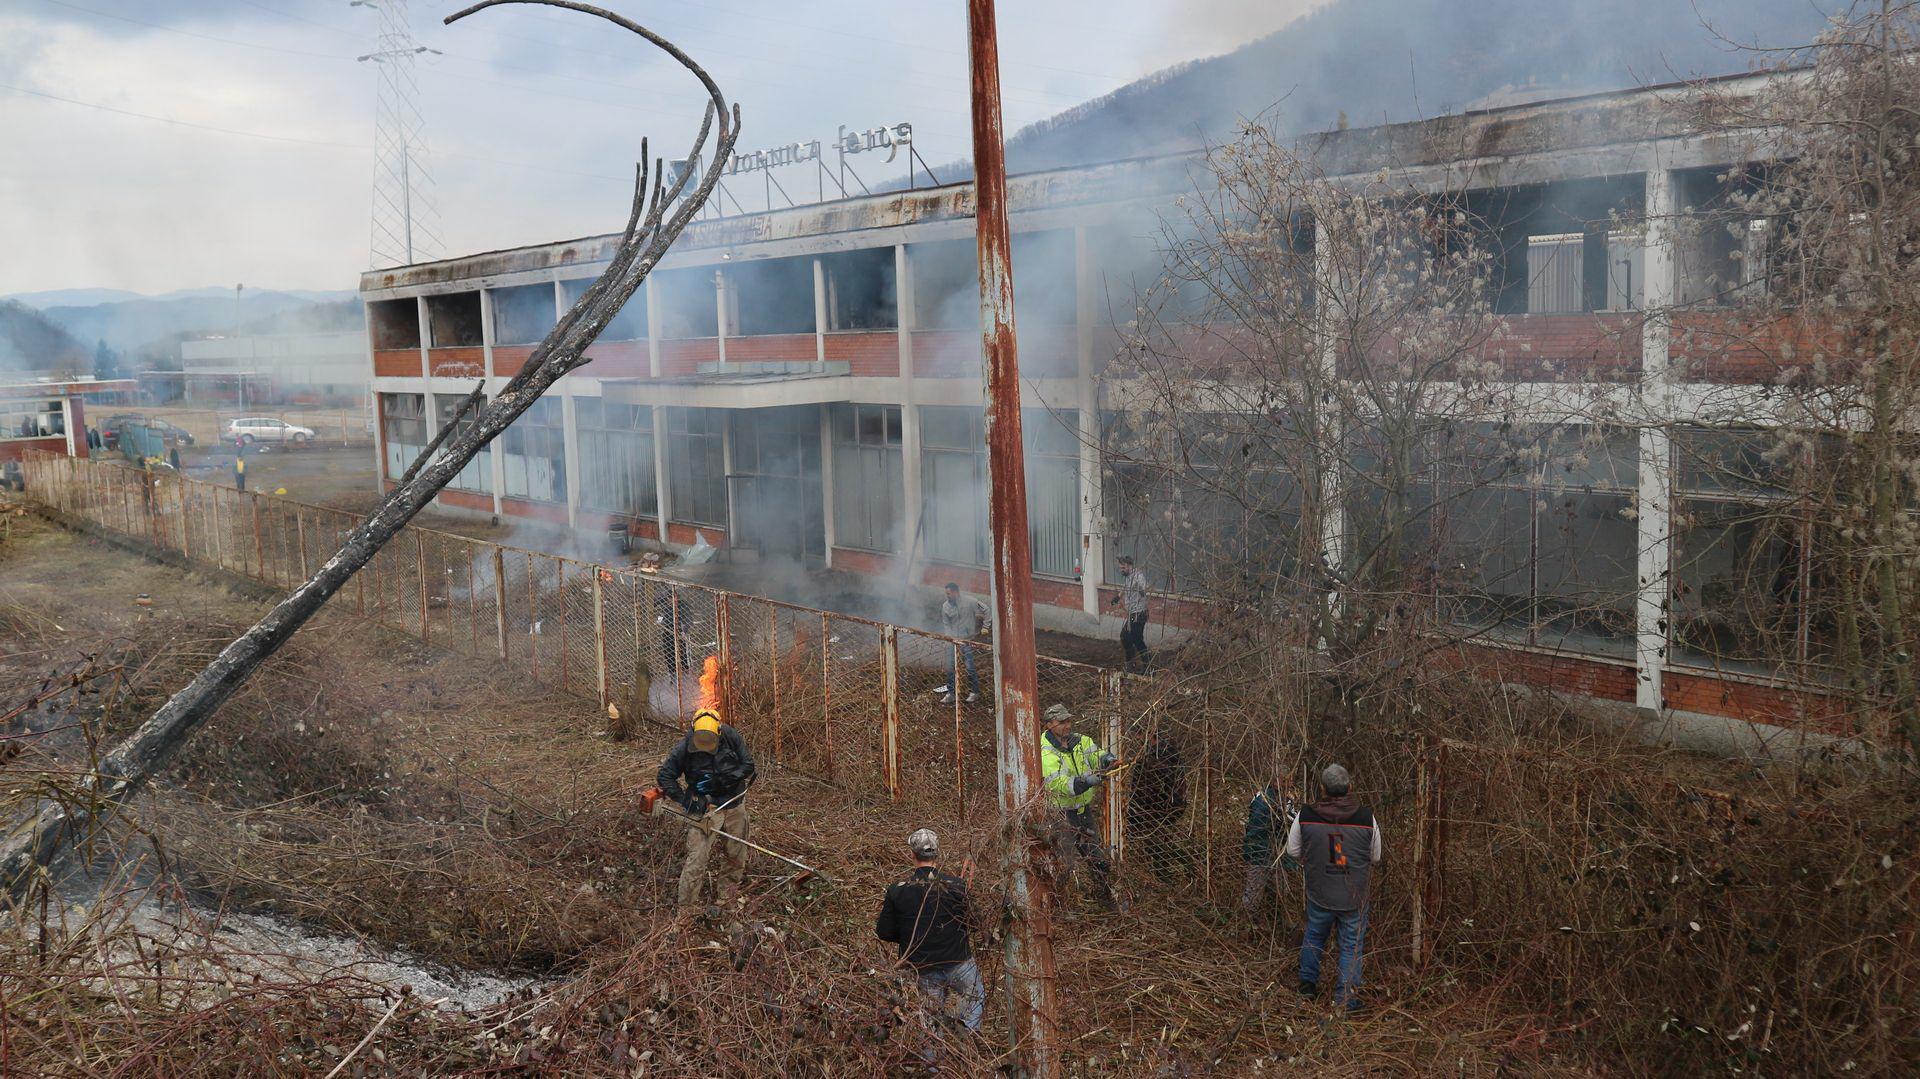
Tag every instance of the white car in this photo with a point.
(250, 429)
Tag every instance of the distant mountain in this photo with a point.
(31, 343)
(1366, 62)
(127, 325)
(71, 297)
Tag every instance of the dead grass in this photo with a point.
(363, 784)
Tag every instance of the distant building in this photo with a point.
(292, 369)
(51, 415)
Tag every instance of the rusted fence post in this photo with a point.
(723, 646)
(959, 740)
(500, 601)
(826, 689)
(674, 657)
(420, 565)
(219, 542)
(600, 636)
(773, 622)
(560, 568)
(1433, 884)
(300, 536)
(186, 536)
(1422, 827)
(1114, 786)
(259, 543)
(890, 710)
(533, 619)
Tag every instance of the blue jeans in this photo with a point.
(973, 675)
(1353, 937)
(955, 991)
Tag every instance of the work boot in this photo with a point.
(946, 698)
(973, 698)
(1308, 990)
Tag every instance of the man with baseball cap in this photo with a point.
(716, 768)
(1072, 768)
(926, 916)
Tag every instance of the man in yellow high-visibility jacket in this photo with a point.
(1072, 768)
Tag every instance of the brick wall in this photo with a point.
(781, 347)
(685, 357)
(1727, 347)
(640, 527)
(397, 362)
(1756, 702)
(683, 534)
(871, 563)
(617, 359)
(551, 512)
(868, 354)
(15, 449)
(1558, 348)
(507, 359)
(1569, 674)
(471, 500)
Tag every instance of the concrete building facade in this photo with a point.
(806, 383)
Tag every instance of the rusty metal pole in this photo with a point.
(1029, 907)
(890, 710)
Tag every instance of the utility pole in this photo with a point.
(1029, 934)
(405, 227)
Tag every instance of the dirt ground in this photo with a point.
(365, 784)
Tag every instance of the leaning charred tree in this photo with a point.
(658, 216)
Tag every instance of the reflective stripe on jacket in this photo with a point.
(1059, 768)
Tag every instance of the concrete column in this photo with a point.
(662, 498)
(653, 342)
(1655, 509)
(373, 392)
(720, 309)
(1092, 532)
(910, 495)
(570, 441)
(498, 481)
(726, 470)
(819, 311)
(826, 461)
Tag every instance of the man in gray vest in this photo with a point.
(1337, 842)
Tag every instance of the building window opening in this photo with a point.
(616, 457)
(396, 323)
(453, 321)
(946, 285)
(696, 466)
(533, 454)
(522, 314)
(862, 290)
(686, 303)
(1044, 293)
(629, 325)
(868, 483)
(32, 419)
(769, 296)
(403, 421)
(478, 473)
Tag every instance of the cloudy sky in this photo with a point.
(161, 144)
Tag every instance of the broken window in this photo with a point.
(616, 456)
(946, 285)
(403, 421)
(861, 289)
(395, 323)
(1135, 272)
(696, 469)
(1043, 279)
(478, 474)
(629, 325)
(769, 296)
(1737, 571)
(32, 419)
(1052, 444)
(453, 321)
(522, 314)
(1537, 534)
(953, 465)
(685, 302)
(533, 454)
(867, 478)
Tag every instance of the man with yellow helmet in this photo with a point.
(713, 762)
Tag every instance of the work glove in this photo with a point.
(1106, 760)
(704, 784)
(1082, 784)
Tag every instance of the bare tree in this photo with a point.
(660, 212)
(1814, 259)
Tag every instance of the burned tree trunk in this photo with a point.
(650, 230)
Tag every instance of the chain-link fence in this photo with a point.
(883, 711)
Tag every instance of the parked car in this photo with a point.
(251, 429)
(171, 434)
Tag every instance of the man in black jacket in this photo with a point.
(926, 915)
(717, 769)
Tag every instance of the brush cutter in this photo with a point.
(654, 802)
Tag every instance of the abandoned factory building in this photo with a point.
(806, 383)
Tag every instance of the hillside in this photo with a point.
(1386, 61)
(129, 324)
(31, 342)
